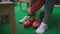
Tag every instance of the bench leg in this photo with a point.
(20, 6)
(12, 20)
(59, 23)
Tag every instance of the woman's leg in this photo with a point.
(49, 5)
(36, 6)
(31, 4)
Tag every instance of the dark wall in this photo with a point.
(0, 0)
(57, 2)
(12, 0)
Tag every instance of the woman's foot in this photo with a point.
(24, 19)
(35, 24)
(41, 29)
(29, 21)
